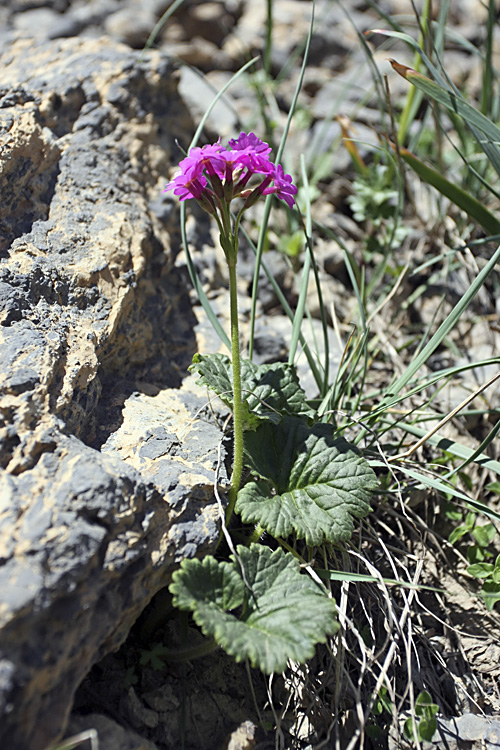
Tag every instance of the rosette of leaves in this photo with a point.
(305, 481)
(267, 615)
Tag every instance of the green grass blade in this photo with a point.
(269, 199)
(258, 264)
(450, 100)
(159, 25)
(447, 489)
(472, 207)
(488, 73)
(288, 311)
(357, 281)
(301, 302)
(343, 575)
(195, 280)
(492, 152)
(221, 93)
(477, 456)
(454, 448)
(415, 46)
(446, 326)
(414, 97)
(428, 381)
(435, 483)
(444, 92)
(269, 38)
(308, 263)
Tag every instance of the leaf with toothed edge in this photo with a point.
(269, 391)
(281, 613)
(311, 483)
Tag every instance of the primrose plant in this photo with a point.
(306, 484)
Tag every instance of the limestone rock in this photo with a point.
(96, 332)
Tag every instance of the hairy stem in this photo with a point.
(237, 402)
(256, 534)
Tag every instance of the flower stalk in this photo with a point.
(214, 176)
(237, 395)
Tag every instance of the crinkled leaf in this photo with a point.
(276, 390)
(312, 483)
(268, 390)
(215, 373)
(284, 613)
(207, 583)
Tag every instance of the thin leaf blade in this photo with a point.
(474, 208)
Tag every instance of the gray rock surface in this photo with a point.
(111, 735)
(96, 332)
(466, 732)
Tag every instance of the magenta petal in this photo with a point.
(230, 171)
(250, 142)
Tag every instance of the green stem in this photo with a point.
(237, 399)
(269, 39)
(256, 534)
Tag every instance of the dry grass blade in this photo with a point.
(444, 421)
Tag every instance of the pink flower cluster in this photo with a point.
(212, 174)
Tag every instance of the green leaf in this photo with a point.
(426, 729)
(409, 728)
(383, 702)
(457, 534)
(480, 570)
(219, 583)
(470, 520)
(268, 390)
(292, 244)
(373, 731)
(424, 722)
(155, 656)
(312, 483)
(484, 535)
(283, 612)
(215, 373)
(467, 202)
(477, 554)
(424, 706)
(490, 593)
